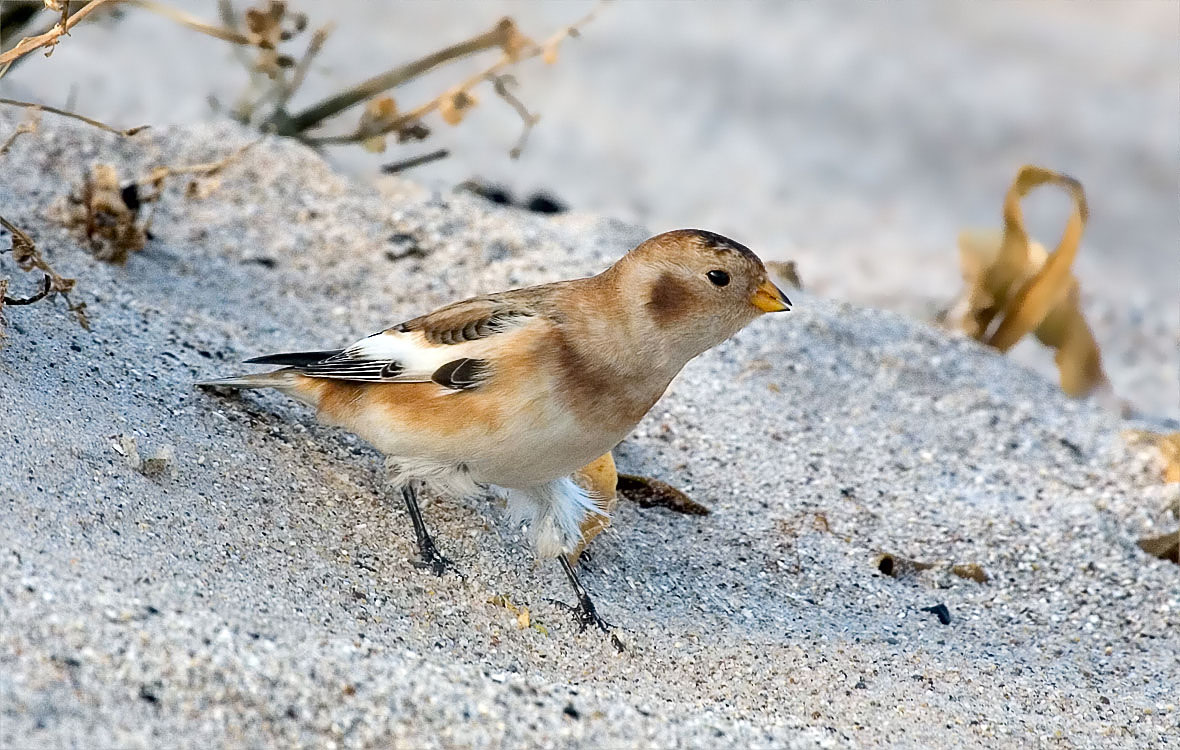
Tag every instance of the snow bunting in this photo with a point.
(519, 390)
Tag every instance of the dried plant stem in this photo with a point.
(204, 169)
(49, 38)
(313, 48)
(74, 115)
(28, 126)
(291, 125)
(490, 73)
(501, 83)
(192, 22)
(416, 161)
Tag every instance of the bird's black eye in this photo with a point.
(719, 278)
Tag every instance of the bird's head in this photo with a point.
(698, 288)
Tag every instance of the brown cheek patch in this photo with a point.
(669, 299)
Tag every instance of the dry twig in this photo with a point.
(416, 161)
(74, 115)
(192, 22)
(29, 125)
(453, 102)
(50, 38)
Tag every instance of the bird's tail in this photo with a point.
(280, 379)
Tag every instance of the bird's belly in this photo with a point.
(522, 448)
(539, 454)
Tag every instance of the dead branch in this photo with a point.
(294, 125)
(185, 19)
(516, 49)
(51, 37)
(74, 115)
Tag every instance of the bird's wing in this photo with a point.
(427, 348)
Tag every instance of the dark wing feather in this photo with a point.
(462, 374)
(478, 317)
(390, 357)
(294, 359)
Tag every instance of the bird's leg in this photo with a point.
(431, 557)
(585, 613)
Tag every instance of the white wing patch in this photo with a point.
(386, 357)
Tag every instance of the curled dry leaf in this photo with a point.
(1013, 286)
(524, 619)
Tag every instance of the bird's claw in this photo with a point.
(586, 615)
(433, 559)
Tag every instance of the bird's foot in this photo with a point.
(586, 615)
(433, 559)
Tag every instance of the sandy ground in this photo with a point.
(854, 138)
(259, 592)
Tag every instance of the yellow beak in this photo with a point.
(769, 298)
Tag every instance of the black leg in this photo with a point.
(431, 557)
(585, 613)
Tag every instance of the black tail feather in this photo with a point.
(294, 359)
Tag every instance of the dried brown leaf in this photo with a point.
(1165, 546)
(1014, 287)
(651, 493)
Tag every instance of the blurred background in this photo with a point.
(857, 139)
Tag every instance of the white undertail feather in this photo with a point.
(554, 512)
(439, 478)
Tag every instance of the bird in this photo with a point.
(519, 390)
